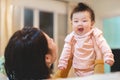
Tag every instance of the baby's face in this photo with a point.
(81, 22)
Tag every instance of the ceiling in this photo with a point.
(102, 8)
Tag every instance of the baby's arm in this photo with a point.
(107, 53)
(104, 47)
(65, 56)
(99, 63)
(65, 61)
(67, 52)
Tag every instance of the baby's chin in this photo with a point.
(80, 33)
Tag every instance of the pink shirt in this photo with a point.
(83, 50)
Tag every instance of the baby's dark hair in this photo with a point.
(83, 7)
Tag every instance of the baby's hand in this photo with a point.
(61, 68)
(109, 62)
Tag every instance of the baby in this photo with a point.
(79, 45)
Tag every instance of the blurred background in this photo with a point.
(53, 16)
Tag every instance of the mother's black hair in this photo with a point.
(25, 55)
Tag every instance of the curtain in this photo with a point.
(6, 14)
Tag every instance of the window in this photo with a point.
(28, 17)
(46, 22)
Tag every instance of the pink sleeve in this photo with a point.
(103, 45)
(65, 55)
(66, 52)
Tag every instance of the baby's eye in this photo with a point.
(75, 21)
(84, 20)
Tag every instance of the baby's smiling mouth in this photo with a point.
(80, 29)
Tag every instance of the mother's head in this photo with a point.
(29, 55)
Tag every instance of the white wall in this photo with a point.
(49, 5)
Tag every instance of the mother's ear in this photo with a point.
(48, 59)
